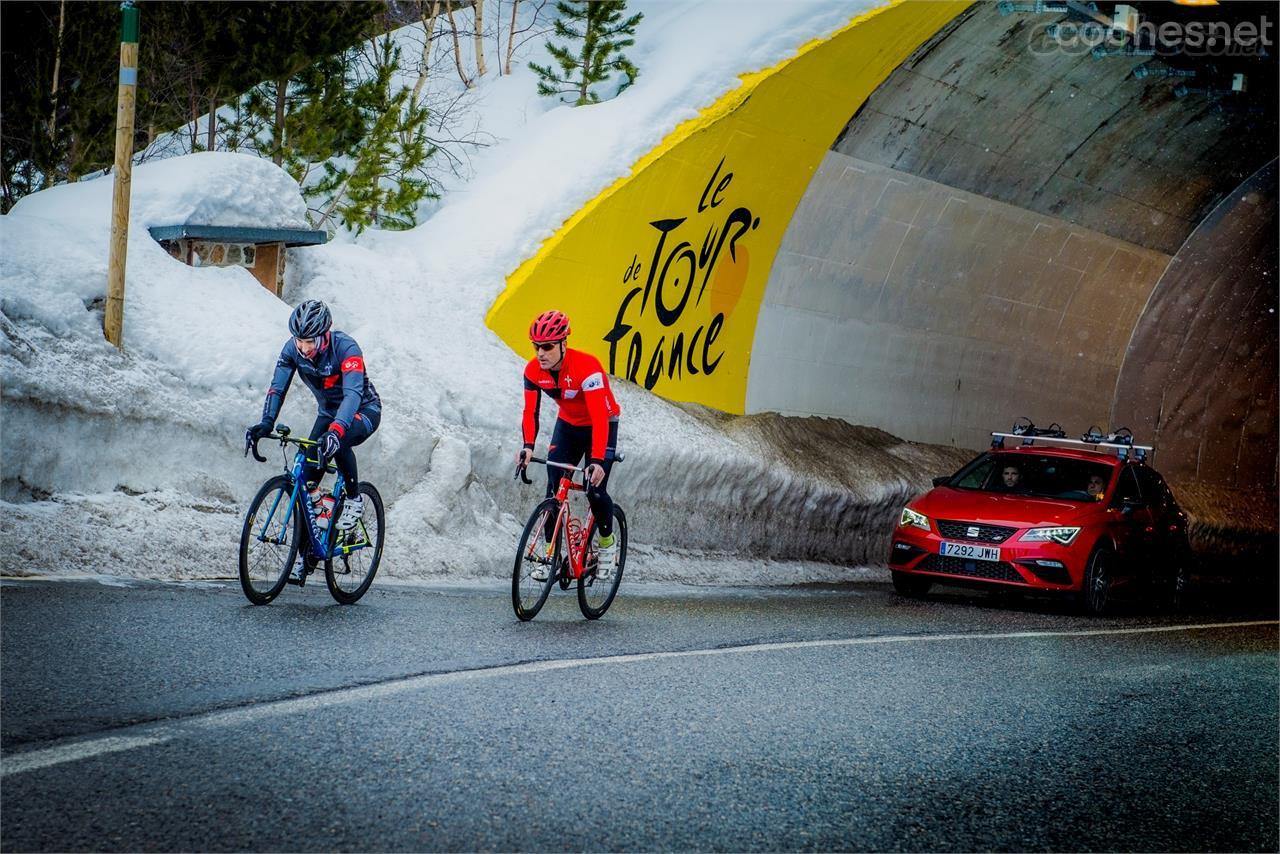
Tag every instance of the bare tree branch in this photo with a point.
(428, 30)
(535, 30)
(457, 46)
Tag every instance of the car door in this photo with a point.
(1168, 534)
(1133, 524)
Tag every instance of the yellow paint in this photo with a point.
(662, 273)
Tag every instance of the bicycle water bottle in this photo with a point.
(324, 512)
(575, 537)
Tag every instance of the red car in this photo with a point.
(1086, 517)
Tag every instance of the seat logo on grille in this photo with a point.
(971, 531)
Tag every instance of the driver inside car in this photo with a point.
(1011, 479)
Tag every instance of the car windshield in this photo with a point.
(1036, 476)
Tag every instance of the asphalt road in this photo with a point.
(178, 717)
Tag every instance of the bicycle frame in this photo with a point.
(316, 535)
(564, 521)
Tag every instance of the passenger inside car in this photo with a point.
(1033, 476)
(1096, 487)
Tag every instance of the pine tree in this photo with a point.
(385, 179)
(604, 33)
(194, 57)
(316, 119)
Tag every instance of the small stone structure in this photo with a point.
(260, 250)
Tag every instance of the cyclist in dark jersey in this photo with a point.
(331, 364)
(587, 424)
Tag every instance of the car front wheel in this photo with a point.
(1095, 594)
(1180, 593)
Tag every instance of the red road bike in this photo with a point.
(568, 555)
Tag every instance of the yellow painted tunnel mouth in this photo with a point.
(664, 272)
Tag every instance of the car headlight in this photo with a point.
(1061, 536)
(912, 519)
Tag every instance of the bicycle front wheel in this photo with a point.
(595, 594)
(356, 552)
(534, 573)
(267, 545)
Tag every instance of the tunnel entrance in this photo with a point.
(1015, 223)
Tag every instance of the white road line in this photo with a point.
(160, 732)
(30, 761)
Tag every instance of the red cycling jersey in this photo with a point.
(581, 388)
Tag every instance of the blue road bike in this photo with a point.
(281, 523)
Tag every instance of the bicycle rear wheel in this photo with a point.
(594, 594)
(268, 547)
(348, 574)
(528, 593)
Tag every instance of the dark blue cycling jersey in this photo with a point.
(335, 376)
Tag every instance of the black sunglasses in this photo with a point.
(548, 346)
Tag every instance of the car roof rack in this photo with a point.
(1119, 440)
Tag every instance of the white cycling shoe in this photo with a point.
(607, 560)
(352, 510)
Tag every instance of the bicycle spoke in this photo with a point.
(596, 594)
(357, 552)
(266, 542)
(534, 574)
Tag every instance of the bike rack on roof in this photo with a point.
(1119, 440)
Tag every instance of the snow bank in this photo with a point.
(209, 326)
(209, 188)
(134, 459)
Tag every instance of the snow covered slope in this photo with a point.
(131, 463)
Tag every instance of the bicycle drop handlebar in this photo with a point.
(520, 469)
(281, 435)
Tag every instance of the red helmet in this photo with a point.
(549, 326)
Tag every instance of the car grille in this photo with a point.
(986, 533)
(993, 570)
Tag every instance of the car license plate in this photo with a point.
(948, 549)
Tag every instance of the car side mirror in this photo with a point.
(942, 480)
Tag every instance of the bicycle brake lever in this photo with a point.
(520, 473)
(254, 447)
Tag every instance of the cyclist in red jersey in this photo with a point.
(587, 424)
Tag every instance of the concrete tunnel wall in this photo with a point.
(1199, 376)
(941, 315)
(937, 226)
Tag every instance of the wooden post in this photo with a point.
(126, 95)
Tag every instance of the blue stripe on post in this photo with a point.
(128, 76)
